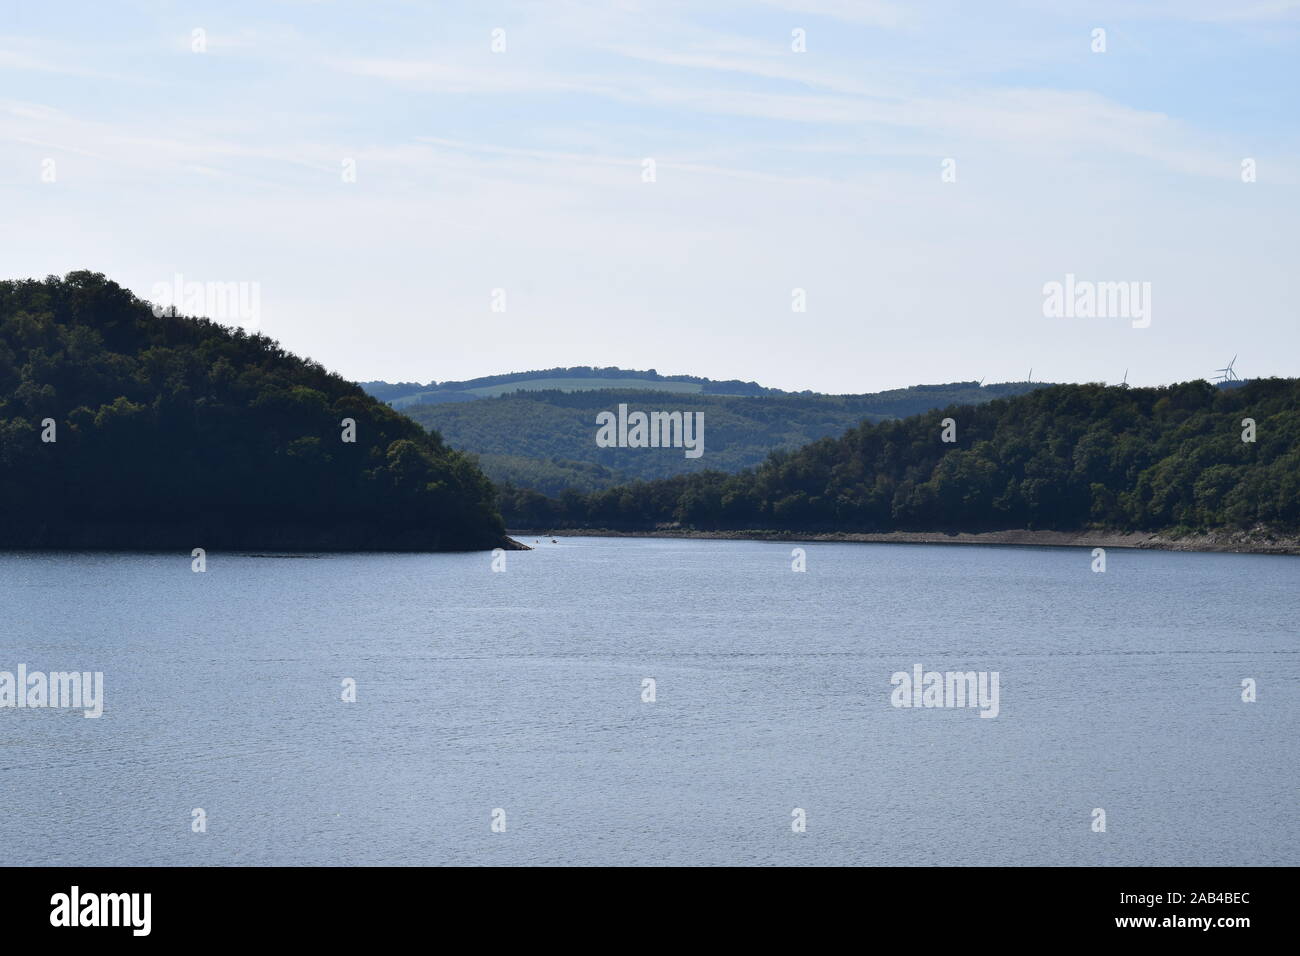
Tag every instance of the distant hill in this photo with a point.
(123, 429)
(578, 378)
(544, 439)
(1064, 458)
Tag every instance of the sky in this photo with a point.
(824, 194)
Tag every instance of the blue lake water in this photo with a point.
(522, 690)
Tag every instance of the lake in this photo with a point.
(522, 692)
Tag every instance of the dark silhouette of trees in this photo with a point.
(179, 432)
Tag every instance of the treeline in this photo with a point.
(390, 391)
(606, 372)
(1066, 457)
(437, 392)
(176, 432)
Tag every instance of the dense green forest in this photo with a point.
(545, 440)
(176, 432)
(1066, 457)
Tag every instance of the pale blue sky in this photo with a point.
(776, 170)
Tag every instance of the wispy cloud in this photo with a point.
(866, 12)
(775, 169)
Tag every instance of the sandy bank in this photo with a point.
(1258, 541)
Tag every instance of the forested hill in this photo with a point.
(545, 440)
(575, 378)
(1067, 457)
(121, 429)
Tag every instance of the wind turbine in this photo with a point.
(1229, 374)
(1124, 384)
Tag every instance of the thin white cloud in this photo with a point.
(866, 12)
(31, 61)
(775, 170)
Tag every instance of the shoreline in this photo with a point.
(1227, 542)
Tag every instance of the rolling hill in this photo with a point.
(404, 395)
(1063, 458)
(544, 438)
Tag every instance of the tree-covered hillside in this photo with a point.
(575, 378)
(545, 440)
(1067, 457)
(175, 432)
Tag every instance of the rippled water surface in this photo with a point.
(523, 691)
